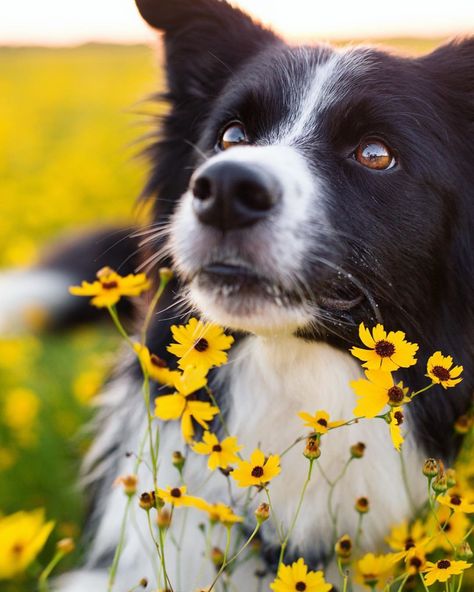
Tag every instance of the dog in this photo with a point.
(303, 190)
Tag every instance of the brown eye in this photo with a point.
(233, 135)
(375, 155)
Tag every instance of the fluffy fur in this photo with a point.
(346, 244)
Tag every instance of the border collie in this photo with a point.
(306, 189)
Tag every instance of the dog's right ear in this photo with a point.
(205, 42)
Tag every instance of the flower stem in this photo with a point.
(43, 578)
(119, 548)
(422, 390)
(164, 280)
(424, 583)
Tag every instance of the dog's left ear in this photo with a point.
(451, 66)
(205, 42)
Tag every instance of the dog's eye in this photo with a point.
(233, 134)
(375, 155)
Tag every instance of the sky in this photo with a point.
(64, 22)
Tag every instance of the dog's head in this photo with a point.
(311, 188)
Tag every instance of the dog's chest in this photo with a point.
(267, 382)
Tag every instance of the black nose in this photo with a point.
(231, 195)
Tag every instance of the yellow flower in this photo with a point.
(155, 366)
(20, 409)
(22, 536)
(179, 406)
(456, 503)
(454, 529)
(386, 352)
(396, 420)
(200, 344)
(415, 559)
(221, 513)
(377, 391)
(403, 537)
(110, 287)
(442, 570)
(297, 577)
(319, 422)
(373, 570)
(177, 496)
(221, 454)
(439, 370)
(258, 471)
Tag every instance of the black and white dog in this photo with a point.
(307, 189)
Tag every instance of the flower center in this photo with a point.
(409, 544)
(300, 586)
(443, 564)
(156, 361)
(395, 394)
(257, 472)
(175, 492)
(322, 422)
(441, 373)
(455, 500)
(201, 345)
(217, 448)
(346, 545)
(17, 549)
(384, 349)
(398, 415)
(416, 562)
(109, 285)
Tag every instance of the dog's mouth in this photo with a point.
(236, 281)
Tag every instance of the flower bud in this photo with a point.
(143, 583)
(312, 450)
(166, 274)
(362, 505)
(343, 547)
(262, 513)
(463, 425)
(178, 460)
(465, 551)
(358, 450)
(451, 477)
(128, 483)
(430, 468)
(440, 483)
(65, 546)
(217, 557)
(147, 500)
(163, 518)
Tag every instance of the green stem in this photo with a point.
(43, 578)
(295, 517)
(332, 487)
(359, 531)
(274, 516)
(224, 560)
(404, 581)
(460, 583)
(422, 390)
(161, 288)
(119, 548)
(120, 328)
(424, 583)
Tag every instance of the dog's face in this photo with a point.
(320, 187)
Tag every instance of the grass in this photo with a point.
(67, 123)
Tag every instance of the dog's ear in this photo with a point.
(205, 41)
(451, 66)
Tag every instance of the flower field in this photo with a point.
(68, 119)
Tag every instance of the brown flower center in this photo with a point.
(322, 422)
(443, 564)
(217, 448)
(384, 349)
(300, 586)
(109, 285)
(175, 492)
(398, 415)
(395, 394)
(455, 500)
(17, 549)
(346, 545)
(257, 472)
(201, 345)
(363, 502)
(156, 361)
(441, 373)
(409, 544)
(416, 562)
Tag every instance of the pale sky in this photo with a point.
(56, 22)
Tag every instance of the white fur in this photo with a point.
(271, 379)
(25, 291)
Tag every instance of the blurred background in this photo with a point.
(72, 79)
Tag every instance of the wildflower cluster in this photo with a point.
(433, 548)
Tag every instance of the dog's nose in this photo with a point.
(230, 195)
